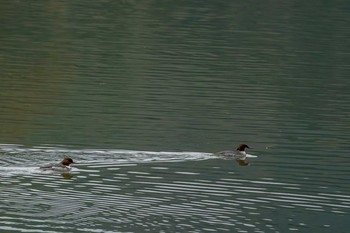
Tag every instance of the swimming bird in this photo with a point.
(64, 165)
(239, 155)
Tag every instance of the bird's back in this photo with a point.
(53, 166)
(227, 154)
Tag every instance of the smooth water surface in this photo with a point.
(141, 93)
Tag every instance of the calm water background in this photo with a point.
(140, 92)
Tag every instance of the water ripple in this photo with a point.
(126, 191)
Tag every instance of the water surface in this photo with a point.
(140, 94)
(133, 191)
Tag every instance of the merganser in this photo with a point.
(239, 155)
(64, 165)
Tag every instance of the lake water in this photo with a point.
(140, 93)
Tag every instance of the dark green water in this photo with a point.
(140, 92)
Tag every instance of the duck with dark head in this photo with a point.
(64, 165)
(239, 155)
